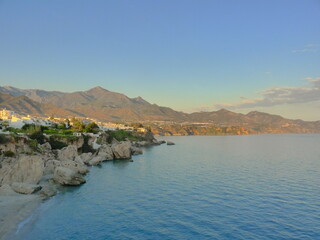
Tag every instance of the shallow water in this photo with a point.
(229, 187)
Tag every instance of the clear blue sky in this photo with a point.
(186, 54)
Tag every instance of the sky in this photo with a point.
(190, 55)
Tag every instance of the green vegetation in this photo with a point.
(4, 139)
(33, 144)
(8, 153)
(61, 141)
(61, 135)
(38, 136)
(51, 131)
(78, 125)
(122, 135)
(91, 128)
(55, 144)
(5, 124)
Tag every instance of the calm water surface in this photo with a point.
(230, 187)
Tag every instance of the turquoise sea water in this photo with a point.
(230, 187)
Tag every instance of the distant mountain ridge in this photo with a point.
(104, 105)
(99, 103)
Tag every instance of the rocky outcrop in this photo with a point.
(68, 153)
(141, 143)
(25, 188)
(170, 143)
(49, 189)
(105, 151)
(136, 150)
(51, 165)
(17, 146)
(25, 169)
(122, 150)
(84, 158)
(46, 147)
(66, 176)
(44, 169)
(95, 161)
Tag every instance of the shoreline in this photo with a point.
(29, 176)
(15, 212)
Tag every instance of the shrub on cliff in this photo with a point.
(4, 139)
(31, 128)
(38, 136)
(92, 128)
(33, 144)
(78, 125)
(9, 153)
(55, 144)
(122, 135)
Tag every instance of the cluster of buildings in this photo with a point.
(11, 119)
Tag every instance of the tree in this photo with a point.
(78, 125)
(92, 127)
(5, 124)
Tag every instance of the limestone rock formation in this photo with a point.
(49, 189)
(136, 150)
(25, 168)
(96, 160)
(51, 165)
(66, 176)
(68, 153)
(84, 158)
(122, 150)
(25, 188)
(106, 152)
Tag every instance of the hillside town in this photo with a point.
(11, 119)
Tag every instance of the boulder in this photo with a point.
(114, 141)
(106, 152)
(51, 165)
(136, 150)
(170, 143)
(66, 176)
(26, 169)
(68, 153)
(84, 157)
(46, 147)
(96, 160)
(48, 189)
(73, 165)
(141, 143)
(25, 188)
(122, 150)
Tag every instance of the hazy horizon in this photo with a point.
(189, 56)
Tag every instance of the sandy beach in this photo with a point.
(14, 208)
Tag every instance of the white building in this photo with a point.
(6, 114)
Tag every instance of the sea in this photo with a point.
(204, 187)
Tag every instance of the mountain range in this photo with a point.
(104, 105)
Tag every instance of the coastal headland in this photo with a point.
(34, 165)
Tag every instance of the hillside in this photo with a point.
(101, 104)
(104, 105)
(24, 105)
